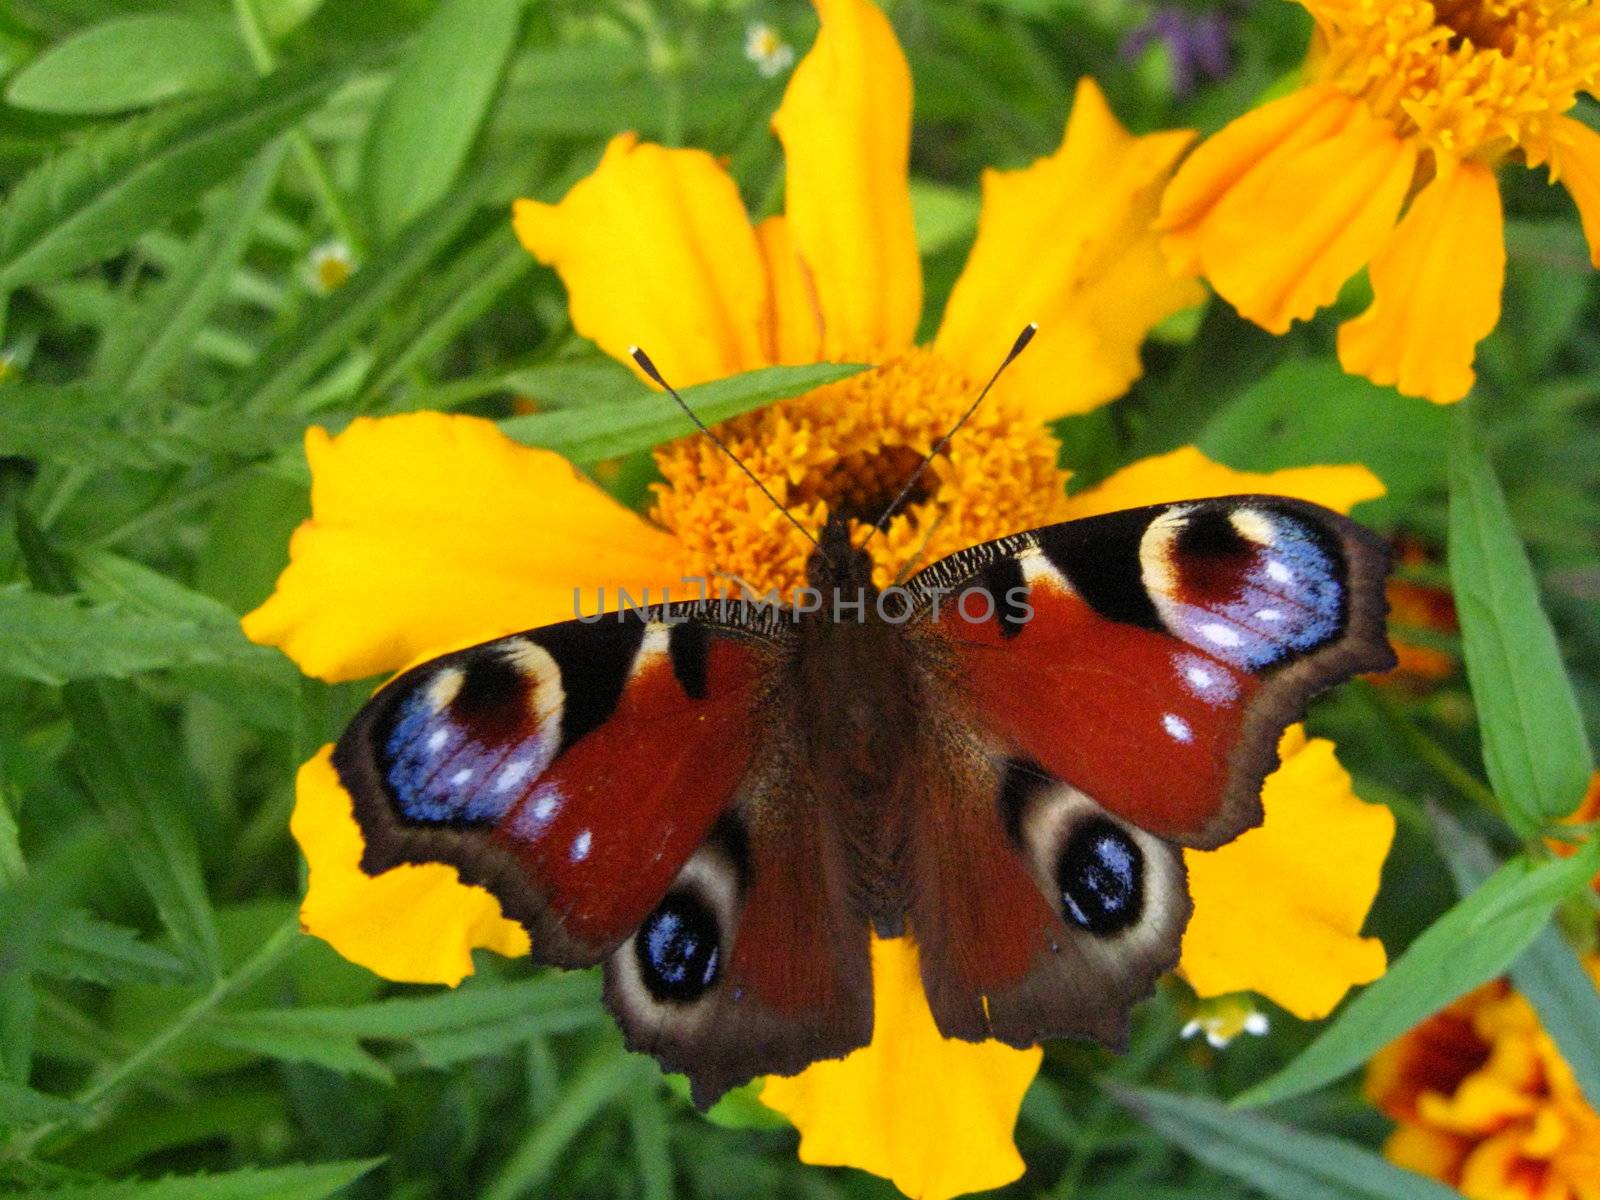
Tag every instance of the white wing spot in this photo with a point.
(545, 807)
(1269, 614)
(580, 846)
(461, 777)
(1200, 677)
(438, 738)
(1177, 728)
(513, 773)
(1277, 572)
(1222, 635)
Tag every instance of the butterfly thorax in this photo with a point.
(861, 687)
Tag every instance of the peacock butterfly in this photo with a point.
(718, 799)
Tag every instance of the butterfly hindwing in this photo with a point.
(1123, 681)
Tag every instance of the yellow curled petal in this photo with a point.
(796, 317)
(935, 1116)
(412, 924)
(845, 123)
(430, 532)
(1067, 243)
(1575, 161)
(1226, 158)
(1279, 910)
(1279, 240)
(1435, 289)
(1187, 474)
(1430, 1152)
(656, 251)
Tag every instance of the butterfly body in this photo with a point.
(1004, 760)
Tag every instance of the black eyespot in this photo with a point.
(677, 949)
(1101, 876)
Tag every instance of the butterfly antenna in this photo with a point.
(1017, 347)
(649, 368)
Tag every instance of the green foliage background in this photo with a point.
(167, 171)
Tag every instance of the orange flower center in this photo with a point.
(847, 450)
(1474, 78)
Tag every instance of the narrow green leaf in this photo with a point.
(137, 354)
(269, 1039)
(130, 62)
(131, 771)
(428, 120)
(1472, 943)
(607, 1075)
(461, 294)
(85, 948)
(1275, 1159)
(283, 17)
(55, 639)
(327, 328)
(95, 198)
(589, 435)
(312, 1182)
(1549, 973)
(1534, 746)
(21, 1106)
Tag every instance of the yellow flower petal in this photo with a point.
(1279, 910)
(1067, 242)
(934, 1116)
(1187, 474)
(1575, 160)
(796, 319)
(1288, 202)
(430, 532)
(412, 924)
(656, 251)
(1436, 289)
(845, 123)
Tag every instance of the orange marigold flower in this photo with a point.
(1410, 105)
(419, 539)
(1483, 1101)
(1417, 605)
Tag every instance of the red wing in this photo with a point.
(619, 786)
(1119, 685)
(1152, 658)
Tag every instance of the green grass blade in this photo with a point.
(588, 435)
(312, 1182)
(1276, 1160)
(431, 115)
(138, 354)
(1534, 746)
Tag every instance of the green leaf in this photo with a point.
(1309, 412)
(55, 639)
(270, 1039)
(21, 1106)
(83, 947)
(1552, 977)
(1475, 941)
(327, 328)
(130, 770)
(428, 120)
(93, 199)
(1272, 1158)
(283, 17)
(130, 62)
(137, 354)
(591, 434)
(1534, 746)
(312, 1182)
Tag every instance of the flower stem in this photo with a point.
(259, 47)
(1434, 755)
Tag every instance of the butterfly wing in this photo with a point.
(619, 785)
(1120, 685)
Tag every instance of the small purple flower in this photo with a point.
(1197, 42)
